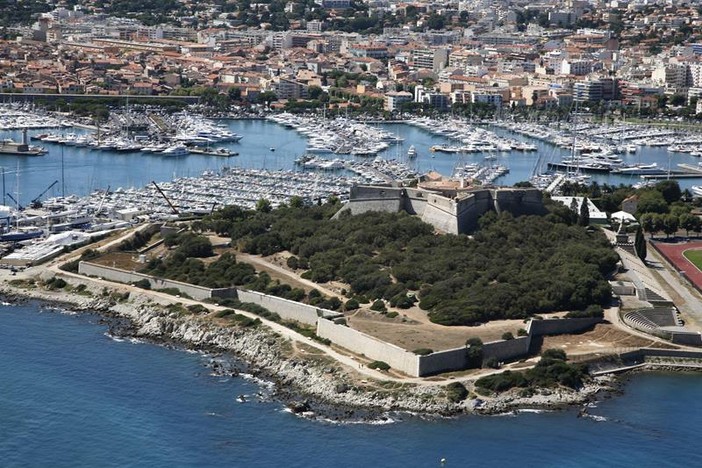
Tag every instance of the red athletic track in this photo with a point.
(674, 254)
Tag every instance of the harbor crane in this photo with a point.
(173, 208)
(19, 207)
(36, 203)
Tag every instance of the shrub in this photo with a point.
(244, 321)
(380, 365)
(557, 354)
(225, 313)
(507, 336)
(58, 283)
(143, 284)
(198, 309)
(292, 263)
(595, 311)
(521, 332)
(392, 314)
(174, 292)
(456, 392)
(351, 304)
(492, 363)
(423, 351)
(378, 306)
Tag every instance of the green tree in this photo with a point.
(266, 98)
(640, 245)
(670, 190)
(688, 222)
(652, 201)
(670, 224)
(647, 223)
(474, 352)
(584, 216)
(263, 205)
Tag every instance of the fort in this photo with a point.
(446, 204)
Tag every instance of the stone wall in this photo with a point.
(449, 215)
(688, 338)
(122, 276)
(506, 350)
(442, 361)
(518, 201)
(373, 348)
(560, 326)
(287, 309)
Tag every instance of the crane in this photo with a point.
(19, 207)
(36, 203)
(173, 208)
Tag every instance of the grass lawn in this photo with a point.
(695, 256)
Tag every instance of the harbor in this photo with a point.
(101, 188)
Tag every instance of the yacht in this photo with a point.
(412, 152)
(176, 150)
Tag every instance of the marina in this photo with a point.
(103, 185)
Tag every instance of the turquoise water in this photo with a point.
(72, 396)
(85, 170)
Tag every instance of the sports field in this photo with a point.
(695, 257)
(686, 257)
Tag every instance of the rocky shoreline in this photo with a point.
(313, 387)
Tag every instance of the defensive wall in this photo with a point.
(640, 354)
(354, 340)
(451, 215)
(560, 326)
(287, 309)
(122, 276)
(447, 360)
(371, 347)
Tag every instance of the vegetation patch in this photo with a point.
(552, 370)
(456, 392)
(380, 365)
(511, 268)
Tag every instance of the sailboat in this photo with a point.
(18, 234)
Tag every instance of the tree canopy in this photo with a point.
(510, 268)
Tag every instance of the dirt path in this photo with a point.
(287, 276)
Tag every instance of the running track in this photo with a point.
(674, 254)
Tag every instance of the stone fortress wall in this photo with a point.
(353, 340)
(451, 215)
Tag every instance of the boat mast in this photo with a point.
(573, 152)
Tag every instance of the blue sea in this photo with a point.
(83, 170)
(72, 396)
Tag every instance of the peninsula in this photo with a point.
(380, 311)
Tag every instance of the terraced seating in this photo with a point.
(662, 317)
(639, 321)
(653, 296)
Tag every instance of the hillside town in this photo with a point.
(379, 56)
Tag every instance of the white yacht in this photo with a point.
(176, 150)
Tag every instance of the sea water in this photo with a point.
(82, 170)
(72, 396)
